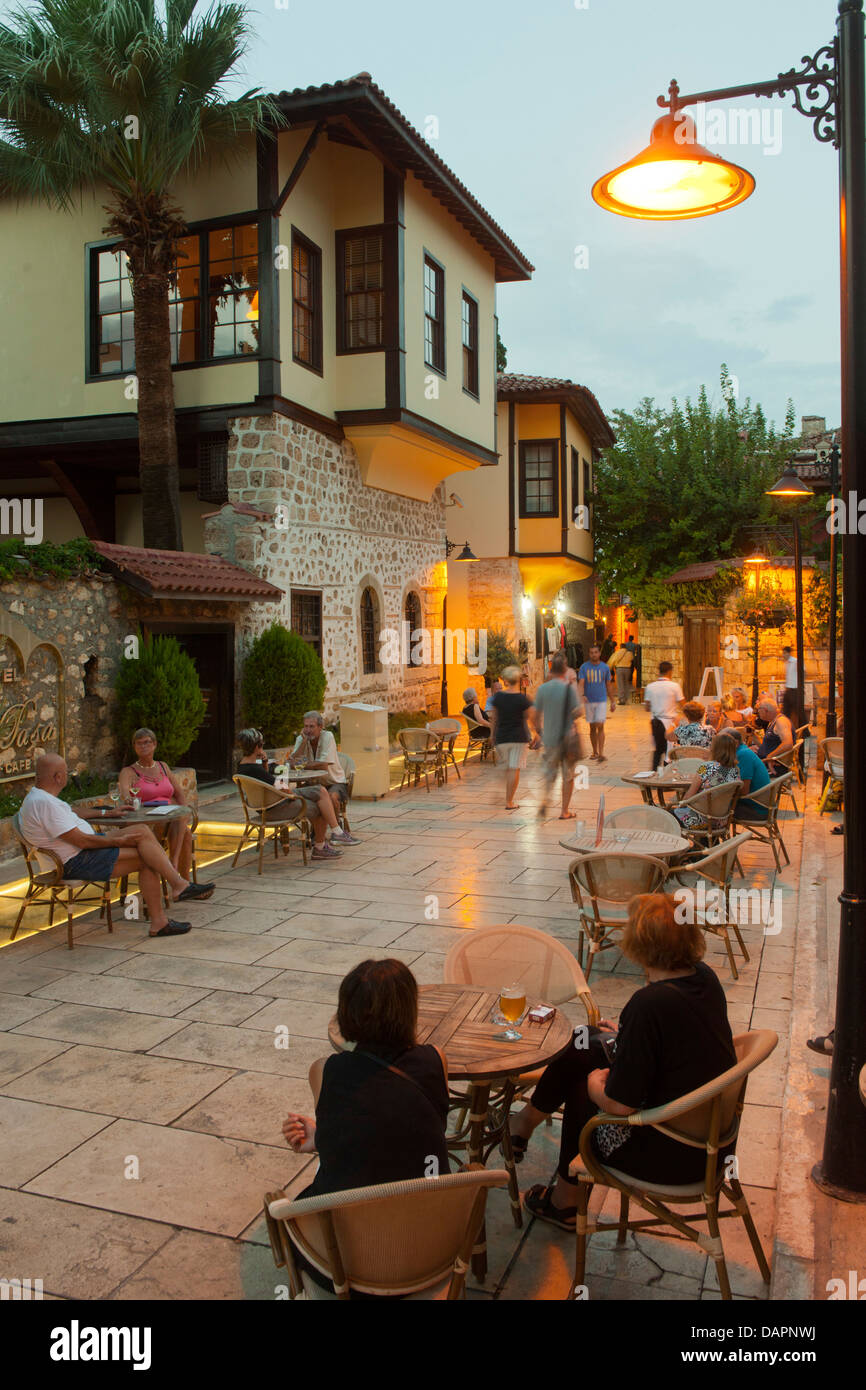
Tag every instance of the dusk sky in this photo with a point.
(533, 103)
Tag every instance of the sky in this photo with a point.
(534, 102)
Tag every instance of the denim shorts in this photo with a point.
(95, 864)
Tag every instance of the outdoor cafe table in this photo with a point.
(109, 815)
(457, 1018)
(654, 842)
(665, 780)
(306, 777)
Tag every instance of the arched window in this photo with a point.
(369, 632)
(412, 619)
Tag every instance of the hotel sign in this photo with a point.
(31, 699)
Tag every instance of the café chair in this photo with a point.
(410, 1240)
(266, 809)
(689, 750)
(643, 818)
(446, 730)
(479, 737)
(708, 1119)
(420, 755)
(715, 807)
(47, 886)
(602, 885)
(716, 867)
(790, 761)
(830, 756)
(767, 829)
(348, 766)
(189, 783)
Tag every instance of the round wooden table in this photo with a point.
(457, 1018)
(662, 781)
(654, 842)
(114, 817)
(305, 777)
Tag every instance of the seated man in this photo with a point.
(316, 748)
(49, 823)
(778, 736)
(753, 775)
(319, 806)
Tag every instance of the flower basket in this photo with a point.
(764, 610)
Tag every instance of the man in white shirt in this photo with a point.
(49, 823)
(664, 700)
(790, 668)
(316, 748)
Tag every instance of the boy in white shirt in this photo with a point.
(664, 700)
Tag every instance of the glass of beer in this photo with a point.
(512, 1003)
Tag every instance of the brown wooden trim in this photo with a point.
(395, 289)
(370, 145)
(563, 480)
(292, 410)
(422, 425)
(299, 167)
(511, 513)
(89, 494)
(427, 258)
(341, 236)
(521, 453)
(317, 307)
(267, 180)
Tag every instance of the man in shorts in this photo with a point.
(598, 691)
(555, 709)
(316, 748)
(664, 700)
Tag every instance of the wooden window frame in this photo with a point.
(430, 262)
(340, 238)
(315, 308)
(376, 621)
(525, 444)
(474, 354)
(320, 640)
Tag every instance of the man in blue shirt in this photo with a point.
(754, 776)
(596, 686)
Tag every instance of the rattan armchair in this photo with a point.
(766, 830)
(831, 760)
(790, 761)
(266, 809)
(479, 737)
(47, 886)
(602, 885)
(687, 750)
(420, 755)
(716, 867)
(715, 806)
(708, 1119)
(446, 731)
(411, 1239)
(642, 817)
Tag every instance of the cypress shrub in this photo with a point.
(283, 677)
(159, 690)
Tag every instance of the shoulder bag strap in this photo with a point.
(405, 1075)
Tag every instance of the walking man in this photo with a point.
(555, 710)
(596, 688)
(620, 663)
(664, 700)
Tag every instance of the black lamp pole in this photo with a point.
(830, 724)
(798, 618)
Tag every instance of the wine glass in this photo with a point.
(512, 1002)
(114, 794)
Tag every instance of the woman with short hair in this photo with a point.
(721, 766)
(157, 785)
(673, 1037)
(312, 801)
(694, 732)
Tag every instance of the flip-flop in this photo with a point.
(822, 1043)
(539, 1202)
(172, 929)
(513, 808)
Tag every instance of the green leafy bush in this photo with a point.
(160, 691)
(80, 786)
(283, 678)
(500, 653)
(47, 560)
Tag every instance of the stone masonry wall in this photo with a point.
(495, 601)
(339, 538)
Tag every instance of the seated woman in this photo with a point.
(673, 1037)
(381, 1109)
(157, 784)
(722, 766)
(318, 805)
(694, 732)
(472, 710)
(741, 704)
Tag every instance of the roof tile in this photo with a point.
(179, 573)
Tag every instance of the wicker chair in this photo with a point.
(765, 830)
(709, 1119)
(602, 885)
(830, 757)
(266, 808)
(409, 1239)
(479, 737)
(46, 886)
(790, 761)
(348, 766)
(687, 767)
(802, 764)
(420, 755)
(715, 806)
(446, 730)
(716, 867)
(642, 818)
(189, 784)
(688, 750)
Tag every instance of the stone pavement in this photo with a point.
(142, 1093)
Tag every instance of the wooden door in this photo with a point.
(700, 648)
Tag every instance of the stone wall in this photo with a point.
(496, 601)
(317, 526)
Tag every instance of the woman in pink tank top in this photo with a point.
(156, 782)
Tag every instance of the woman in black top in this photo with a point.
(509, 713)
(311, 801)
(673, 1037)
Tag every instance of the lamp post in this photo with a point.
(830, 723)
(756, 560)
(465, 554)
(672, 179)
(789, 485)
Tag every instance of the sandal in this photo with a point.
(172, 929)
(822, 1043)
(538, 1201)
(196, 892)
(518, 1148)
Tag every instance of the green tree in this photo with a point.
(501, 354)
(108, 95)
(500, 653)
(159, 690)
(283, 678)
(683, 485)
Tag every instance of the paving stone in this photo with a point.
(250, 1105)
(328, 957)
(117, 992)
(302, 1018)
(32, 1136)
(15, 1009)
(19, 1055)
(204, 1267)
(300, 984)
(78, 1023)
(249, 1049)
(240, 979)
(221, 1006)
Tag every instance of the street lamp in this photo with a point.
(830, 89)
(790, 486)
(756, 560)
(465, 554)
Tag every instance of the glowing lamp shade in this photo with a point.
(673, 178)
(758, 558)
(789, 485)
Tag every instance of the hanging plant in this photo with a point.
(768, 608)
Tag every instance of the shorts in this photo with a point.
(596, 711)
(94, 864)
(340, 788)
(513, 755)
(309, 793)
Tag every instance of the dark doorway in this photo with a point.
(212, 648)
(700, 648)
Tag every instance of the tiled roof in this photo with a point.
(707, 568)
(392, 134)
(181, 574)
(510, 386)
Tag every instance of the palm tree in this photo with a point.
(112, 96)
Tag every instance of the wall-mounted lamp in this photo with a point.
(465, 554)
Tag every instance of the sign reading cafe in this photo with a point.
(31, 699)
